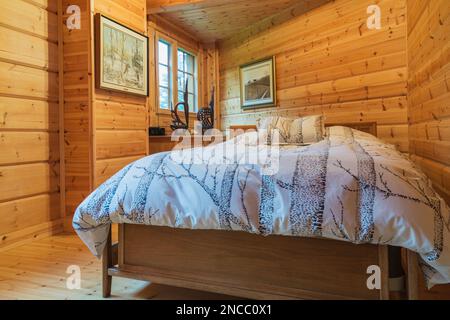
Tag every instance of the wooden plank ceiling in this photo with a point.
(215, 20)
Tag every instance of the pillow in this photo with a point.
(309, 129)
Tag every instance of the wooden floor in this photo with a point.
(38, 271)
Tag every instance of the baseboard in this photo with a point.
(23, 236)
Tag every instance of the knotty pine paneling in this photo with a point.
(101, 126)
(132, 13)
(30, 18)
(27, 114)
(328, 62)
(220, 19)
(120, 120)
(120, 143)
(429, 89)
(24, 147)
(30, 211)
(29, 120)
(112, 115)
(28, 49)
(106, 168)
(22, 181)
(77, 108)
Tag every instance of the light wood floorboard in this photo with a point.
(37, 270)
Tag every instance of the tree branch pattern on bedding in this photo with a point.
(350, 186)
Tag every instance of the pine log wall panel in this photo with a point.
(77, 108)
(104, 130)
(29, 121)
(120, 120)
(328, 62)
(429, 89)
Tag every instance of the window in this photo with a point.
(176, 66)
(187, 72)
(164, 74)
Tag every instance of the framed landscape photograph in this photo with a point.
(257, 81)
(121, 57)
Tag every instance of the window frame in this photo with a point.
(174, 72)
(172, 83)
(170, 73)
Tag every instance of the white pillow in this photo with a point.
(309, 129)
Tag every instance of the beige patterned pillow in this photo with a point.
(309, 129)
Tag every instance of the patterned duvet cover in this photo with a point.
(349, 186)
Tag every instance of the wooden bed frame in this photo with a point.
(253, 266)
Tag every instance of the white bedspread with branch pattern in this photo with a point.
(350, 187)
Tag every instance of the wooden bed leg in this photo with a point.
(397, 278)
(106, 264)
(383, 260)
(413, 275)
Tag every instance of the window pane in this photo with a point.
(163, 52)
(186, 71)
(180, 96)
(190, 64)
(180, 60)
(191, 84)
(163, 76)
(181, 81)
(181, 99)
(191, 100)
(164, 98)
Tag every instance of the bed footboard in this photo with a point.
(246, 265)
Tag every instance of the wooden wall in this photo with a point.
(120, 120)
(29, 122)
(77, 108)
(429, 89)
(104, 130)
(329, 62)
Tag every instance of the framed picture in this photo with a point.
(121, 57)
(258, 86)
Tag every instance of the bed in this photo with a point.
(314, 249)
